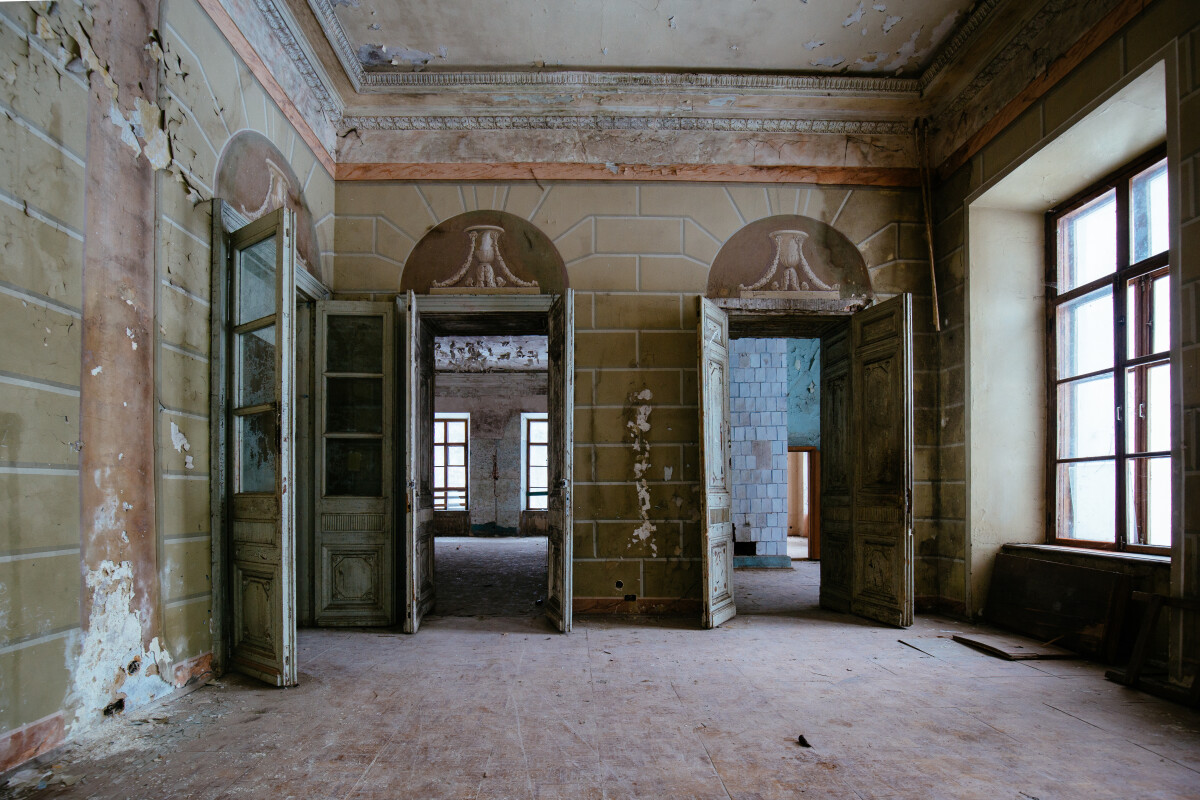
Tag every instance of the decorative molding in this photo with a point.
(336, 34)
(282, 25)
(555, 122)
(962, 35)
(898, 177)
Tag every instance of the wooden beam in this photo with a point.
(721, 173)
(241, 45)
(1058, 69)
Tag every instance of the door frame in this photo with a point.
(225, 221)
(449, 313)
(814, 498)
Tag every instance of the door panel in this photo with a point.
(883, 456)
(355, 532)
(417, 361)
(262, 461)
(560, 404)
(837, 472)
(716, 522)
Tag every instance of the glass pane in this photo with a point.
(354, 344)
(1148, 427)
(1087, 501)
(1088, 243)
(256, 367)
(256, 452)
(439, 456)
(537, 478)
(538, 430)
(1085, 333)
(1086, 418)
(1160, 310)
(457, 455)
(537, 455)
(354, 467)
(455, 501)
(256, 281)
(456, 431)
(1148, 212)
(456, 476)
(1148, 501)
(537, 502)
(354, 405)
(439, 432)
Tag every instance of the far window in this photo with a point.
(451, 434)
(1110, 373)
(535, 463)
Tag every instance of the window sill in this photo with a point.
(1101, 555)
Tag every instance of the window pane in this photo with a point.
(1148, 425)
(354, 343)
(1088, 243)
(439, 432)
(1160, 323)
(455, 500)
(354, 467)
(256, 281)
(1086, 418)
(456, 431)
(537, 455)
(1087, 506)
(537, 478)
(538, 430)
(1148, 489)
(1085, 333)
(354, 405)
(1148, 212)
(457, 455)
(537, 502)
(439, 456)
(456, 477)
(256, 452)
(256, 367)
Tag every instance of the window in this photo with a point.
(535, 452)
(451, 433)
(1110, 363)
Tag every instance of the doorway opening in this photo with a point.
(775, 426)
(490, 475)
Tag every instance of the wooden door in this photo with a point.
(560, 405)
(837, 472)
(418, 369)
(716, 514)
(355, 533)
(261, 514)
(882, 396)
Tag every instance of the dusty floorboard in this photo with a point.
(500, 707)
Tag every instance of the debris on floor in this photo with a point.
(1013, 648)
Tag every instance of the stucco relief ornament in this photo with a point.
(490, 271)
(789, 254)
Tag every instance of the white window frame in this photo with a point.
(526, 416)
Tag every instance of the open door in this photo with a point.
(261, 511)
(837, 472)
(355, 535)
(716, 514)
(418, 368)
(882, 396)
(560, 403)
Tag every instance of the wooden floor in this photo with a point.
(500, 707)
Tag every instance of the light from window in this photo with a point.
(537, 464)
(451, 433)
(1112, 462)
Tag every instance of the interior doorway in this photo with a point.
(490, 474)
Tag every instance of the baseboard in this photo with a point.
(31, 740)
(659, 606)
(762, 562)
(193, 669)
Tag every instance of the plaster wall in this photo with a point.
(637, 256)
(495, 402)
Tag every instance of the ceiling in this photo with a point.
(867, 37)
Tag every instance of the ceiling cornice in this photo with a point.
(283, 25)
(404, 122)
